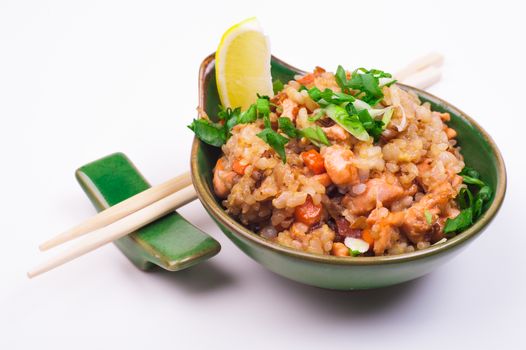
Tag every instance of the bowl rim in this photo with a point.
(218, 213)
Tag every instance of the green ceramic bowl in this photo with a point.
(479, 152)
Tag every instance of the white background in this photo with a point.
(79, 80)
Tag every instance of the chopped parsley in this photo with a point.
(276, 141)
(354, 252)
(212, 133)
(350, 108)
(351, 123)
(470, 200)
(428, 216)
(316, 116)
(460, 222)
(277, 86)
(372, 126)
(327, 96)
(286, 125)
(315, 135)
(366, 82)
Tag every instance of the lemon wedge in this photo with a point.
(243, 65)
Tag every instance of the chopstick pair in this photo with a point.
(155, 202)
(119, 220)
(423, 72)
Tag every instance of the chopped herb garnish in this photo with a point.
(472, 180)
(276, 141)
(428, 216)
(227, 113)
(286, 125)
(462, 221)
(471, 205)
(350, 123)
(341, 78)
(354, 252)
(482, 196)
(366, 82)
(277, 86)
(315, 135)
(263, 106)
(248, 116)
(315, 94)
(372, 126)
(464, 198)
(235, 117)
(354, 115)
(316, 116)
(470, 172)
(212, 133)
(328, 96)
(386, 119)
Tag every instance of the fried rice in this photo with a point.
(395, 194)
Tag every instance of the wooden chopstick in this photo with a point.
(121, 210)
(423, 78)
(431, 59)
(119, 229)
(148, 206)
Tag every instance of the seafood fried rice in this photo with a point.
(346, 164)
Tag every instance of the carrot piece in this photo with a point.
(340, 249)
(308, 213)
(239, 166)
(306, 80)
(366, 236)
(318, 71)
(314, 161)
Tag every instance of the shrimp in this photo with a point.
(415, 225)
(290, 109)
(377, 190)
(223, 180)
(336, 133)
(386, 232)
(338, 163)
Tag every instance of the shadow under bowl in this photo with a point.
(477, 147)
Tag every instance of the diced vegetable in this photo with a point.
(307, 79)
(354, 115)
(352, 125)
(356, 246)
(387, 117)
(212, 133)
(239, 166)
(372, 126)
(315, 135)
(314, 161)
(277, 86)
(470, 204)
(308, 212)
(263, 105)
(428, 216)
(276, 141)
(316, 116)
(460, 222)
(367, 236)
(367, 82)
(286, 125)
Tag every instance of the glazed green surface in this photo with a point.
(170, 242)
(347, 273)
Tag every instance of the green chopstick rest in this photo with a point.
(170, 242)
